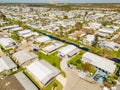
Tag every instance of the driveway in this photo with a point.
(76, 83)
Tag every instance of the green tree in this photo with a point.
(78, 25)
(88, 67)
(54, 64)
(104, 23)
(78, 61)
(96, 41)
(65, 17)
(55, 85)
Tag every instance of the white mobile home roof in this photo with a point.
(90, 38)
(22, 56)
(9, 27)
(42, 71)
(107, 30)
(9, 62)
(24, 32)
(3, 65)
(17, 29)
(94, 25)
(5, 42)
(2, 22)
(100, 62)
(67, 49)
(6, 64)
(110, 45)
(27, 33)
(103, 34)
(53, 46)
(42, 39)
(25, 82)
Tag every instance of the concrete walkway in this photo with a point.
(62, 80)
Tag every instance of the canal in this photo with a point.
(65, 41)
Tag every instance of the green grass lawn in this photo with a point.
(52, 58)
(16, 37)
(76, 60)
(117, 53)
(73, 41)
(54, 83)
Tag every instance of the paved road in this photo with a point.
(63, 63)
(118, 87)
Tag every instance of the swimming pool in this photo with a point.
(99, 76)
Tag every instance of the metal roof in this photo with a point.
(43, 39)
(22, 56)
(100, 62)
(67, 49)
(25, 82)
(9, 62)
(6, 64)
(42, 71)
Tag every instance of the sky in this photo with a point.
(63, 1)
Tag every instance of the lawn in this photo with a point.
(76, 60)
(117, 53)
(16, 37)
(52, 58)
(5, 50)
(73, 41)
(54, 84)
